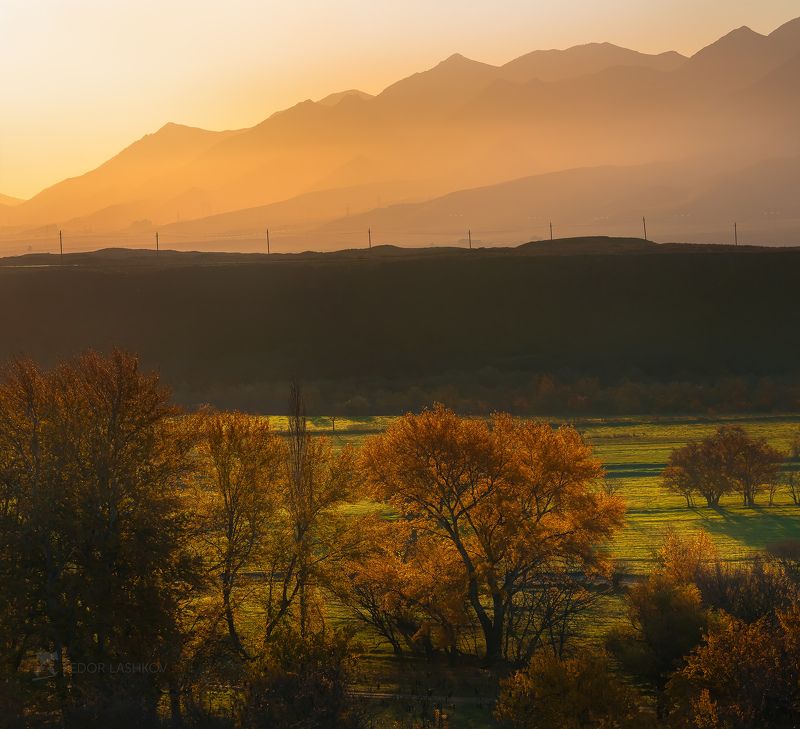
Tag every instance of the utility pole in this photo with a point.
(61, 247)
(268, 251)
(644, 223)
(551, 230)
(470, 239)
(157, 246)
(369, 233)
(736, 234)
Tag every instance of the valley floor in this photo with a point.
(634, 451)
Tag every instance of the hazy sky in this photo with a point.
(83, 78)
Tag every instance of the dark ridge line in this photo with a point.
(559, 247)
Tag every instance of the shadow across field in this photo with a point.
(633, 470)
(755, 527)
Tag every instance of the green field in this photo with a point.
(634, 451)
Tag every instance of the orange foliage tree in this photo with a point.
(744, 676)
(579, 692)
(239, 464)
(729, 461)
(516, 508)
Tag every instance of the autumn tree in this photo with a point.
(34, 614)
(685, 558)
(313, 535)
(729, 461)
(94, 472)
(666, 613)
(750, 590)
(743, 676)
(238, 476)
(750, 464)
(791, 476)
(407, 586)
(578, 692)
(792, 483)
(786, 554)
(667, 620)
(302, 682)
(516, 503)
(696, 469)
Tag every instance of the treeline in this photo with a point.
(166, 569)
(489, 390)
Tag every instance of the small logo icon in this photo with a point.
(47, 666)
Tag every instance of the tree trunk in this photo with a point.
(492, 646)
(176, 715)
(231, 622)
(494, 635)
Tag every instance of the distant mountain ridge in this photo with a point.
(460, 125)
(8, 200)
(555, 65)
(337, 98)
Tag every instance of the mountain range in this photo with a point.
(594, 138)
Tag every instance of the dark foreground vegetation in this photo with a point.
(626, 326)
(161, 569)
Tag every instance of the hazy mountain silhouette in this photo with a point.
(334, 99)
(463, 125)
(680, 201)
(8, 200)
(743, 56)
(583, 60)
(298, 212)
(145, 177)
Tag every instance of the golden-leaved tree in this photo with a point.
(514, 506)
(269, 518)
(95, 543)
(239, 488)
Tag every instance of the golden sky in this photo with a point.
(84, 78)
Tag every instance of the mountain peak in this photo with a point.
(171, 128)
(743, 31)
(743, 40)
(452, 77)
(334, 99)
(744, 34)
(457, 61)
